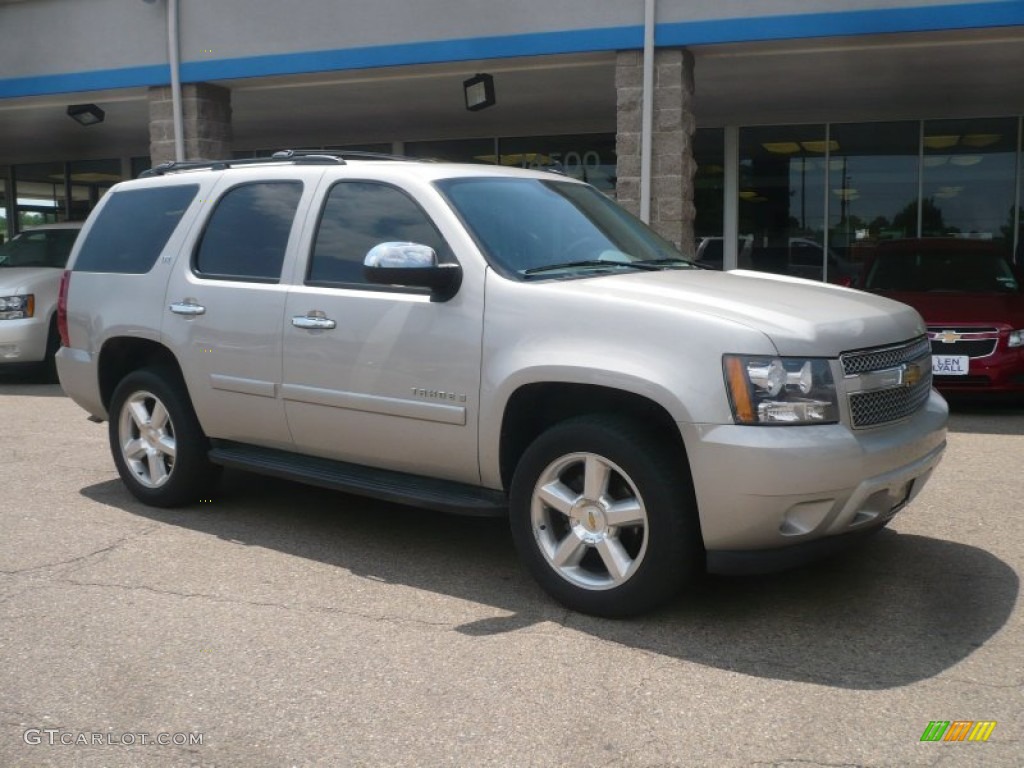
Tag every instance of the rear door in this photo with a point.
(225, 304)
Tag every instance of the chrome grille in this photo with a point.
(868, 409)
(881, 358)
(871, 407)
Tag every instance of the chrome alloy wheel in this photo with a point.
(589, 521)
(146, 437)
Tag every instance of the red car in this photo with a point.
(972, 302)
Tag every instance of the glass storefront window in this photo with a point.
(708, 191)
(454, 151)
(588, 157)
(872, 187)
(50, 192)
(90, 180)
(140, 164)
(39, 194)
(968, 180)
(781, 198)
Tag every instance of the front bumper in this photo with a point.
(23, 341)
(764, 489)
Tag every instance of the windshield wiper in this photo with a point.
(673, 261)
(591, 263)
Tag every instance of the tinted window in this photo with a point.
(359, 215)
(43, 248)
(247, 234)
(133, 228)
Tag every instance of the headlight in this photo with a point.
(17, 307)
(1017, 338)
(780, 390)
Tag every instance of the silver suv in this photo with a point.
(31, 264)
(490, 341)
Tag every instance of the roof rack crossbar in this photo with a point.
(355, 154)
(297, 156)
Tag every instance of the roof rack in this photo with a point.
(294, 156)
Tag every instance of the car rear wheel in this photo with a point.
(603, 515)
(158, 446)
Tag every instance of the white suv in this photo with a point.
(493, 341)
(30, 268)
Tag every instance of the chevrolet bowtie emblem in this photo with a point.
(912, 374)
(947, 337)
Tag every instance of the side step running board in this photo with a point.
(398, 487)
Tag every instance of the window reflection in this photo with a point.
(781, 199)
(968, 179)
(708, 189)
(872, 183)
(814, 200)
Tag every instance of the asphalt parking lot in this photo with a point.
(279, 625)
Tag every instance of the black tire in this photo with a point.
(643, 520)
(48, 367)
(141, 438)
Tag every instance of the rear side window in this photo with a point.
(132, 229)
(359, 215)
(247, 234)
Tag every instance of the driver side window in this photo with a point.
(358, 215)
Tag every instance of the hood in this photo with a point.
(800, 317)
(956, 309)
(15, 280)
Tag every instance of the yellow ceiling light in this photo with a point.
(781, 147)
(941, 142)
(747, 194)
(527, 160)
(845, 193)
(981, 139)
(934, 161)
(820, 146)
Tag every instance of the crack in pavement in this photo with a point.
(300, 608)
(71, 561)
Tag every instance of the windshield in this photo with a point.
(924, 271)
(40, 248)
(548, 228)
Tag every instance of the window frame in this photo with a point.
(448, 257)
(194, 257)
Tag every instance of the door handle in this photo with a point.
(188, 308)
(313, 323)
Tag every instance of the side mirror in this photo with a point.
(412, 265)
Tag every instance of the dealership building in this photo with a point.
(807, 127)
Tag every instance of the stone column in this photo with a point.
(207, 122)
(672, 164)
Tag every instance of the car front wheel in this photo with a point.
(603, 515)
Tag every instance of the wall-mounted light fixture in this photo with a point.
(86, 114)
(479, 92)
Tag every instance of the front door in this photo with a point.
(379, 375)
